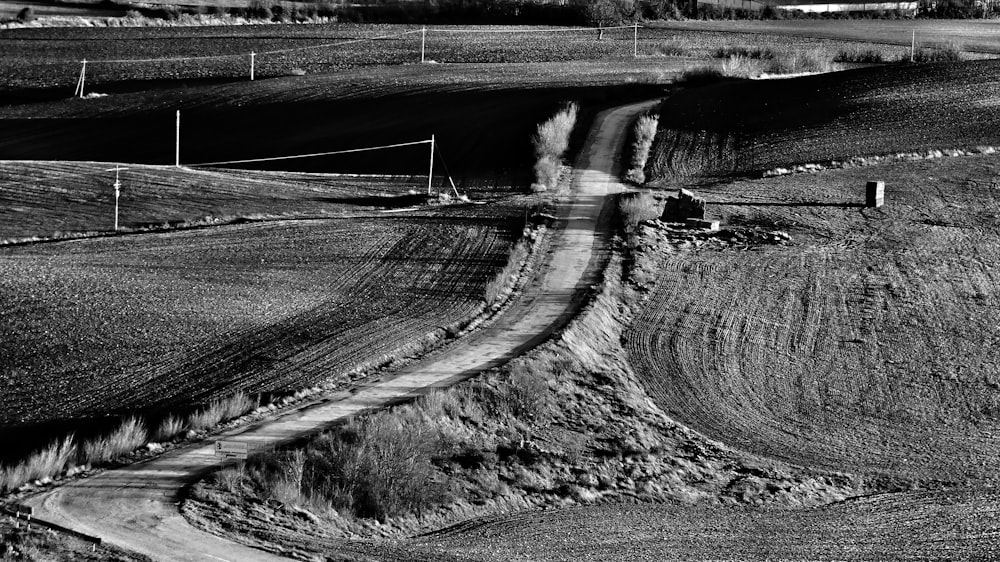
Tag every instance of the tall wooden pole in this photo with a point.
(430, 175)
(635, 41)
(423, 42)
(913, 45)
(252, 63)
(177, 142)
(117, 188)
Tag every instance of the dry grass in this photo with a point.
(45, 463)
(940, 52)
(220, 410)
(169, 428)
(644, 133)
(127, 437)
(551, 141)
(505, 277)
(637, 207)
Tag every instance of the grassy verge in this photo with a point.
(643, 134)
(551, 141)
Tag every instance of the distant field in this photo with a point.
(102, 326)
(740, 126)
(39, 198)
(868, 345)
(973, 35)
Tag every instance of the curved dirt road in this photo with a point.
(135, 507)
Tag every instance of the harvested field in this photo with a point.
(865, 345)
(745, 127)
(483, 132)
(179, 318)
(40, 198)
(957, 525)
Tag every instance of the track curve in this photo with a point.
(136, 507)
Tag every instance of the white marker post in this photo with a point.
(430, 175)
(252, 56)
(423, 42)
(118, 186)
(177, 142)
(83, 77)
(635, 41)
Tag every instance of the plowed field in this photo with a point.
(749, 126)
(100, 326)
(867, 345)
(39, 198)
(960, 525)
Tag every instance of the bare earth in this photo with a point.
(136, 506)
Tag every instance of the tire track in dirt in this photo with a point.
(136, 506)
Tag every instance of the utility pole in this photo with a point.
(430, 175)
(252, 57)
(913, 46)
(423, 42)
(118, 186)
(83, 78)
(177, 142)
(635, 41)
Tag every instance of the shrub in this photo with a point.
(125, 439)
(258, 9)
(170, 427)
(551, 141)
(944, 52)
(637, 207)
(220, 410)
(25, 15)
(46, 463)
(609, 12)
(644, 133)
(671, 49)
(859, 55)
(700, 75)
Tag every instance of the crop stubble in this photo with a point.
(107, 325)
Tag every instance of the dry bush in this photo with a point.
(551, 141)
(644, 132)
(637, 207)
(746, 51)
(130, 435)
(700, 75)
(170, 427)
(943, 52)
(46, 463)
(220, 410)
(859, 54)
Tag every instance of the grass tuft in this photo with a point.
(220, 410)
(169, 428)
(858, 54)
(45, 463)
(943, 52)
(551, 141)
(497, 285)
(644, 133)
(130, 435)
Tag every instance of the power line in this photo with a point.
(271, 159)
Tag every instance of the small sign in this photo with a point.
(232, 449)
(24, 509)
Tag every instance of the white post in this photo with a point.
(177, 142)
(423, 42)
(913, 46)
(635, 41)
(252, 56)
(83, 77)
(430, 175)
(117, 191)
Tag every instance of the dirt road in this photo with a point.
(135, 507)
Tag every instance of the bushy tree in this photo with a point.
(609, 12)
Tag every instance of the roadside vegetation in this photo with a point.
(643, 133)
(550, 142)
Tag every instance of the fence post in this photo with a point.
(635, 41)
(252, 63)
(423, 42)
(177, 142)
(430, 175)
